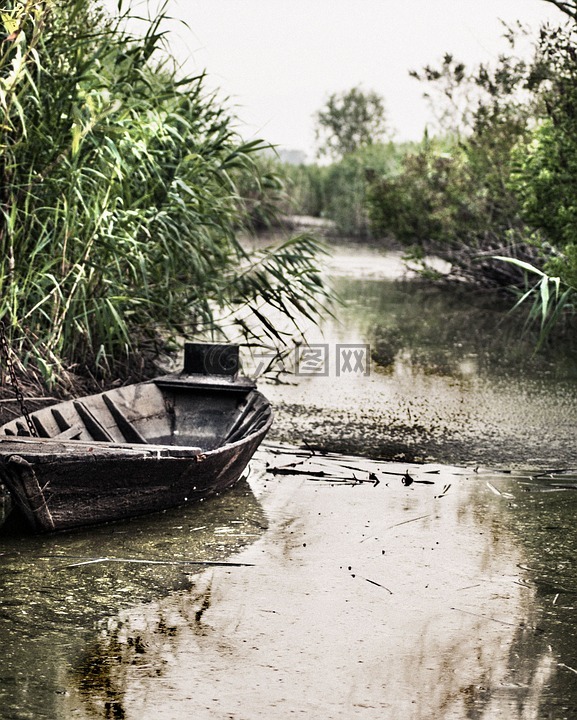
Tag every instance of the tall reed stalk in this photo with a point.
(119, 204)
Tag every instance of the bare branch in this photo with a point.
(569, 7)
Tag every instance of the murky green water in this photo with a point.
(58, 593)
(452, 380)
(535, 519)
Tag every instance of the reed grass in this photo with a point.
(120, 202)
(547, 298)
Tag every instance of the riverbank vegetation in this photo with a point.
(490, 189)
(125, 187)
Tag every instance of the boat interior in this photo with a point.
(157, 412)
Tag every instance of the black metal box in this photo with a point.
(209, 359)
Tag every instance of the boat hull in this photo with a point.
(69, 492)
(63, 484)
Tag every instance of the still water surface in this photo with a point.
(59, 593)
(451, 380)
(453, 377)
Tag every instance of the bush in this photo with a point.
(452, 196)
(305, 186)
(338, 192)
(545, 170)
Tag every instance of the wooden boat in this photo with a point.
(136, 449)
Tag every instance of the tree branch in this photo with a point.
(569, 7)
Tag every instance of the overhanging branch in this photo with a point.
(569, 7)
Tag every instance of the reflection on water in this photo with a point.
(436, 609)
(450, 331)
(58, 591)
(453, 379)
(460, 596)
(541, 515)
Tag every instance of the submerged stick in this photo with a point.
(137, 561)
(421, 517)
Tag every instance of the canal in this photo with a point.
(403, 547)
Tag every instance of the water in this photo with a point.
(59, 593)
(453, 378)
(486, 581)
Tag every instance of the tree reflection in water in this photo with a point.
(445, 611)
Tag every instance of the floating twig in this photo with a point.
(373, 582)
(421, 517)
(485, 617)
(493, 489)
(291, 465)
(324, 475)
(559, 471)
(285, 470)
(139, 561)
(498, 492)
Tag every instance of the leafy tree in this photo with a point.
(305, 189)
(544, 175)
(506, 185)
(349, 121)
(346, 184)
(453, 197)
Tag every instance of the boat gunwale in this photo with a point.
(92, 450)
(128, 450)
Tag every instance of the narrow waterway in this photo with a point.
(452, 376)
(415, 560)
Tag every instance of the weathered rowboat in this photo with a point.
(136, 449)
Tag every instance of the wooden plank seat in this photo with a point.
(72, 433)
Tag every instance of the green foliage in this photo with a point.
(349, 121)
(543, 179)
(545, 168)
(426, 201)
(452, 197)
(548, 301)
(544, 174)
(440, 203)
(338, 191)
(346, 184)
(262, 192)
(506, 186)
(305, 186)
(122, 196)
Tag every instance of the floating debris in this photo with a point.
(140, 561)
(405, 522)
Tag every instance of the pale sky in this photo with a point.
(278, 60)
